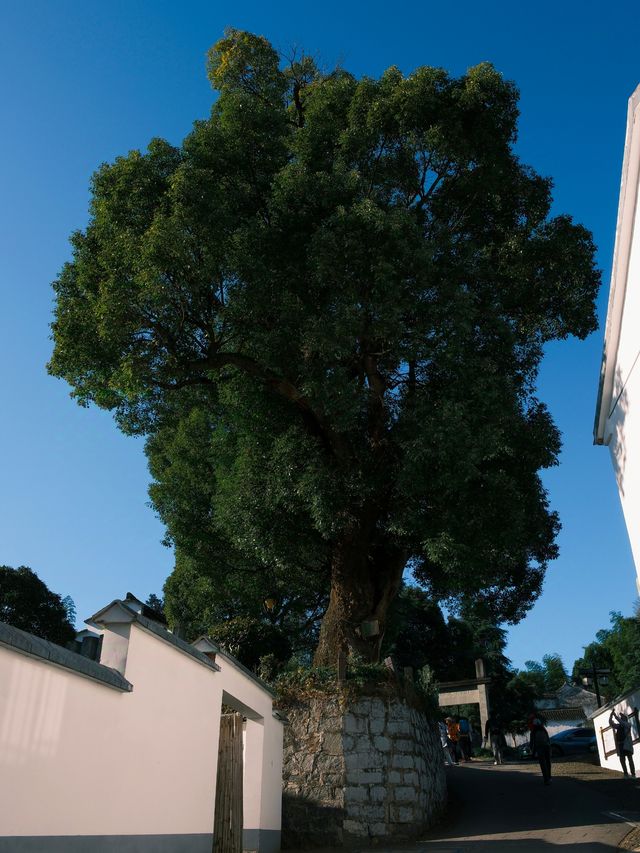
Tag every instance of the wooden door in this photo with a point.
(227, 825)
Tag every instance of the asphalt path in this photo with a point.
(508, 809)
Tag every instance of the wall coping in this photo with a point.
(32, 646)
(119, 611)
(206, 643)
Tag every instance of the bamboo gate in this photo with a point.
(227, 829)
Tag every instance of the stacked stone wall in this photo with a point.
(361, 769)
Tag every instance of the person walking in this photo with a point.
(464, 739)
(493, 733)
(444, 740)
(624, 746)
(541, 748)
(453, 733)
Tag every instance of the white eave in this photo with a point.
(117, 611)
(621, 255)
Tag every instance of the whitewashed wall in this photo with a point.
(263, 739)
(555, 727)
(618, 413)
(605, 736)
(84, 766)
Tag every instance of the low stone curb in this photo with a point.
(631, 841)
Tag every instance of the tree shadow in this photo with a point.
(524, 845)
(616, 421)
(498, 801)
(485, 801)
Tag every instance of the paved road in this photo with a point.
(508, 810)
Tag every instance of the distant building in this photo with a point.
(617, 422)
(568, 707)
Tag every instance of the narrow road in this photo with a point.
(508, 810)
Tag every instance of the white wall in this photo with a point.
(553, 728)
(605, 735)
(624, 425)
(618, 416)
(101, 762)
(263, 748)
(624, 422)
(146, 759)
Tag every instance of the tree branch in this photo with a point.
(377, 386)
(298, 103)
(315, 424)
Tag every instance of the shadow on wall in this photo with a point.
(617, 444)
(304, 819)
(33, 715)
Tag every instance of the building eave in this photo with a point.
(51, 653)
(608, 706)
(621, 255)
(98, 619)
(205, 644)
(120, 612)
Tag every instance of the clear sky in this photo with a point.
(85, 81)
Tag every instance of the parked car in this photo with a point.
(569, 742)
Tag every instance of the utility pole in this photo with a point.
(592, 674)
(595, 683)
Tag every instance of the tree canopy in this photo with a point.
(27, 603)
(545, 677)
(326, 310)
(418, 634)
(617, 649)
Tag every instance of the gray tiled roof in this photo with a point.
(154, 628)
(564, 713)
(29, 644)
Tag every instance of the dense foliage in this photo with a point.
(617, 649)
(27, 603)
(545, 677)
(419, 636)
(326, 310)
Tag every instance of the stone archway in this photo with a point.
(469, 691)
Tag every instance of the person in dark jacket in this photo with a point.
(624, 745)
(541, 748)
(494, 734)
(464, 738)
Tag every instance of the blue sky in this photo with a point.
(85, 81)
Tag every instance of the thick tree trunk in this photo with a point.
(365, 578)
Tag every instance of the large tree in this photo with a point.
(26, 602)
(342, 288)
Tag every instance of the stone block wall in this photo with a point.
(361, 769)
